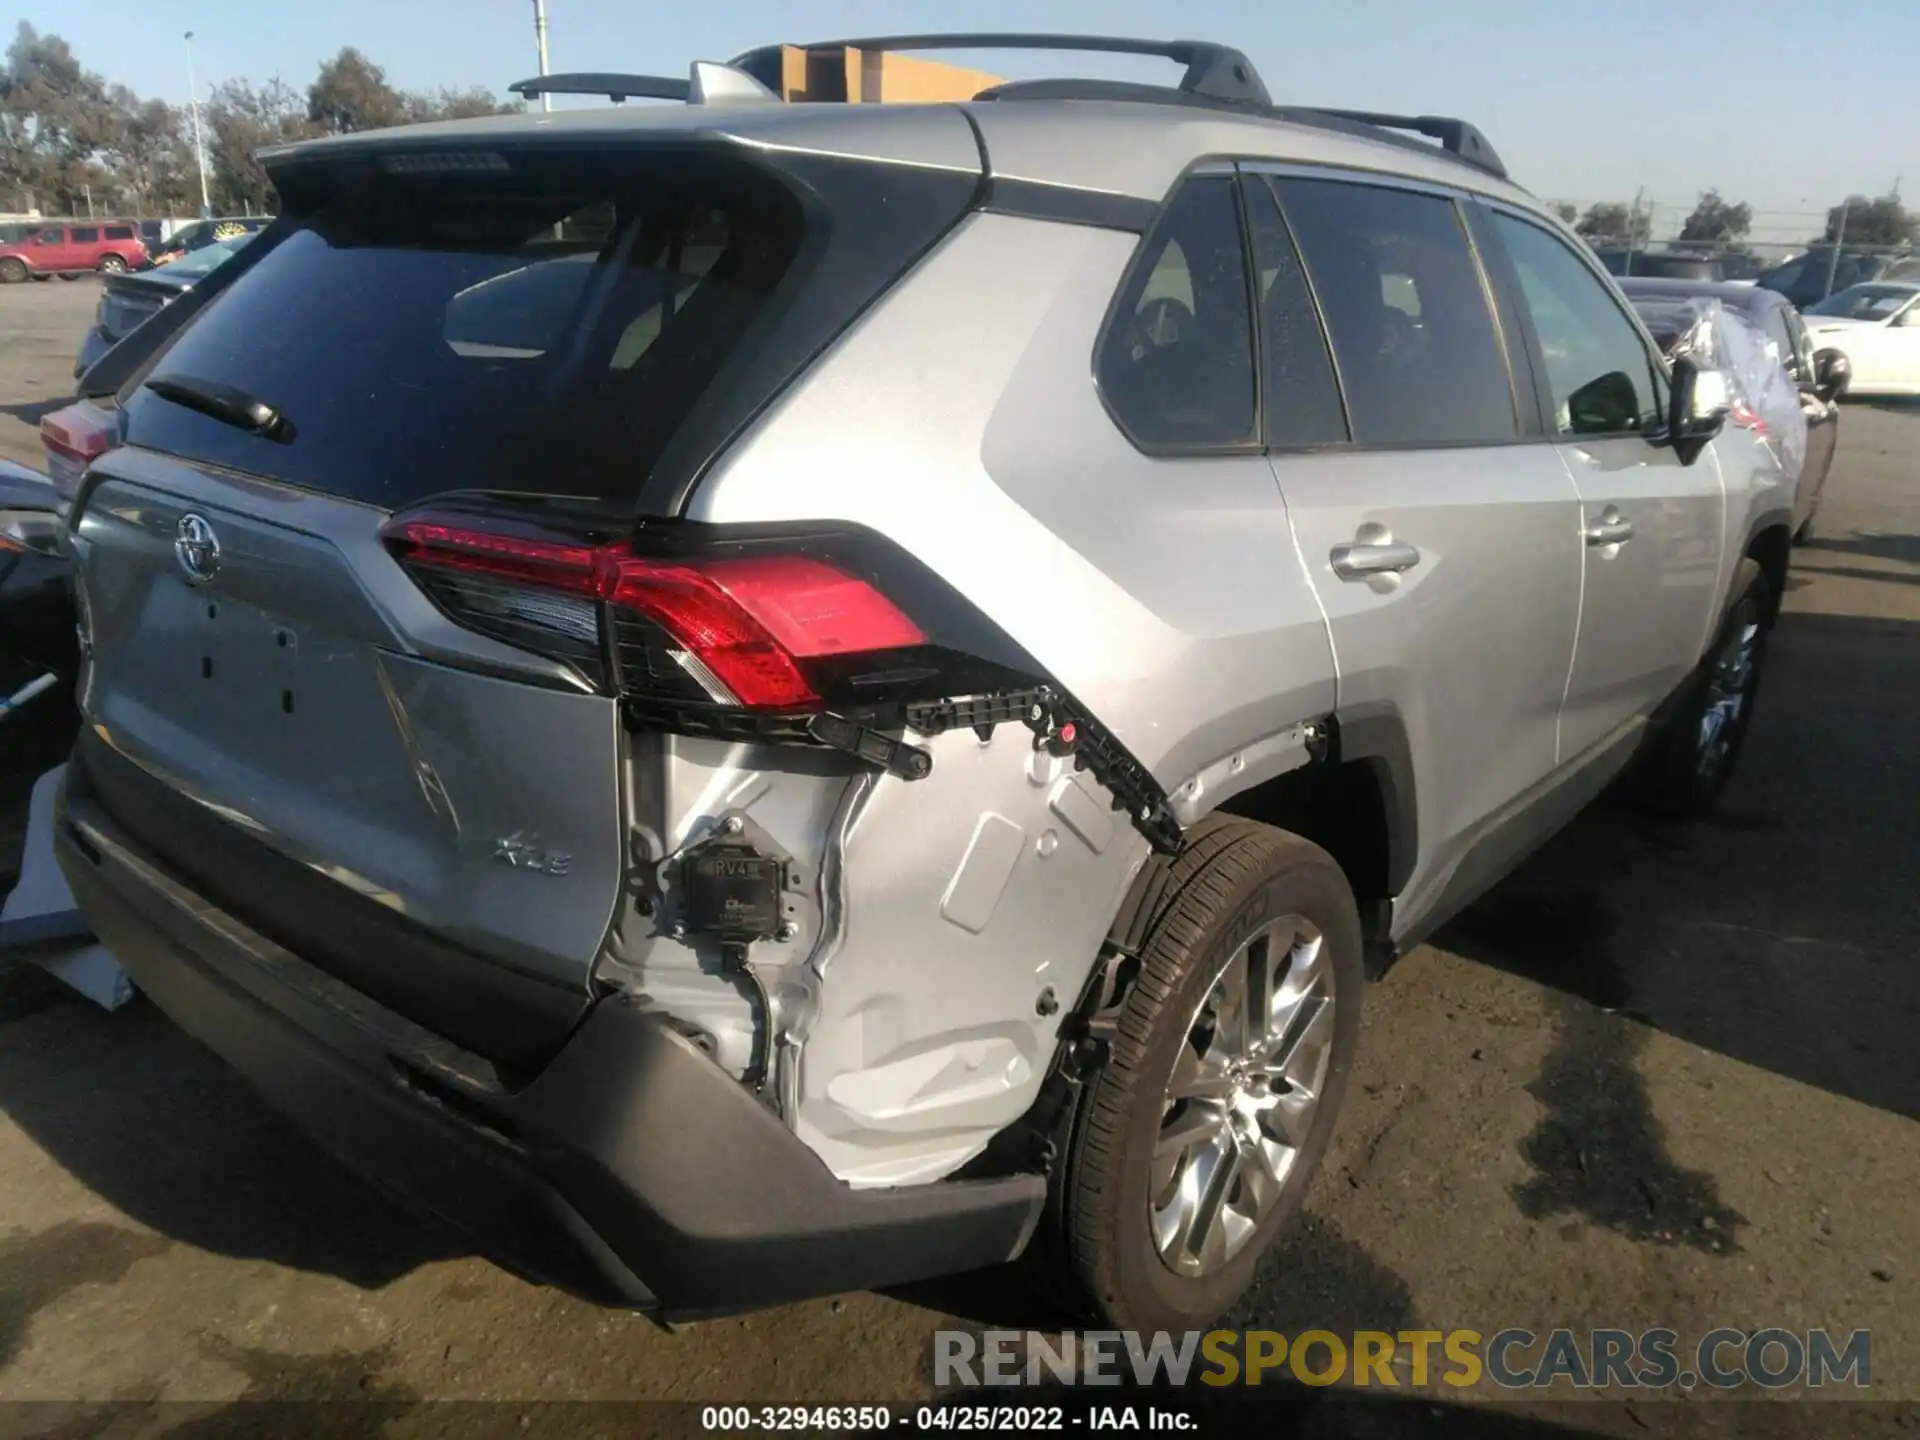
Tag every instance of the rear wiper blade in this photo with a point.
(225, 403)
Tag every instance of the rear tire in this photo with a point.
(12, 271)
(1688, 765)
(112, 265)
(1196, 1141)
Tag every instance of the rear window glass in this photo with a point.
(541, 329)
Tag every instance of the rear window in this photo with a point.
(541, 329)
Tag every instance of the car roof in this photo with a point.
(1136, 148)
(1727, 292)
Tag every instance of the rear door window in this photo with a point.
(1413, 333)
(86, 234)
(536, 329)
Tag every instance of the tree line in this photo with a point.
(70, 140)
(1723, 224)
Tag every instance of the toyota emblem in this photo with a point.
(197, 548)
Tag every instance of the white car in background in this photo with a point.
(1876, 325)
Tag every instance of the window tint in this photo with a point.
(1598, 368)
(119, 232)
(1176, 365)
(1299, 396)
(85, 234)
(1420, 361)
(545, 331)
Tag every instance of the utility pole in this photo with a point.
(540, 39)
(1839, 239)
(199, 143)
(1633, 226)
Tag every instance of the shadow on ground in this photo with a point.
(32, 412)
(164, 1132)
(1781, 932)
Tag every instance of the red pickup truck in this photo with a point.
(72, 248)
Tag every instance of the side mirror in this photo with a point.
(1697, 409)
(1832, 374)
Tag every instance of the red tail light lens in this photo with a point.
(739, 627)
(76, 435)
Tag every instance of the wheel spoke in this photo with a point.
(1198, 1076)
(1206, 1238)
(1183, 1217)
(1256, 1013)
(1306, 967)
(1189, 1126)
(1300, 1052)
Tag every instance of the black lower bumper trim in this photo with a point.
(631, 1170)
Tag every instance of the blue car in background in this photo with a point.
(126, 300)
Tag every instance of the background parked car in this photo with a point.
(126, 300)
(1666, 308)
(1661, 264)
(1804, 279)
(190, 239)
(1877, 327)
(109, 246)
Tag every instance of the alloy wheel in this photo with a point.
(1242, 1097)
(1730, 683)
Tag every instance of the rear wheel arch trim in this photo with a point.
(1377, 737)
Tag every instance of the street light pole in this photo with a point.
(1839, 239)
(199, 144)
(540, 39)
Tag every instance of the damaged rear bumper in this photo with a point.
(630, 1170)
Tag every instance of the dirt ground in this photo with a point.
(1660, 1077)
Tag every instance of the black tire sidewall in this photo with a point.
(1135, 1287)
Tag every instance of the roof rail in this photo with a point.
(707, 83)
(1456, 137)
(1216, 71)
(617, 88)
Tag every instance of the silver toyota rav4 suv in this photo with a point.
(748, 699)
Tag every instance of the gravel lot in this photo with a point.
(1659, 1077)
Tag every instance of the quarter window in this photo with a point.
(1598, 367)
(1176, 365)
(1420, 360)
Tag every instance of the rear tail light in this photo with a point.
(742, 631)
(79, 434)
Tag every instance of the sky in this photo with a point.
(1782, 105)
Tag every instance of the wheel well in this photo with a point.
(1771, 550)
(1343, 808)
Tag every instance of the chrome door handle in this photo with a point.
(1359, 561)
(1612, 529)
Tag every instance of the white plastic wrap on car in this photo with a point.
(1765, 398)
